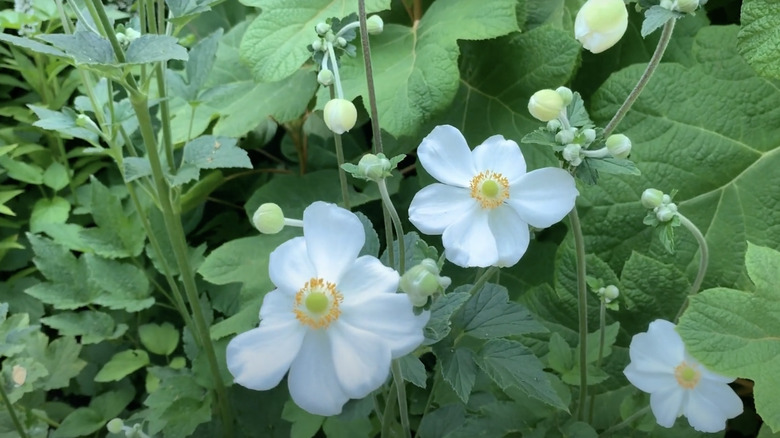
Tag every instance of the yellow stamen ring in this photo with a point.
(688, 376)
(490, 189)
(316, 304)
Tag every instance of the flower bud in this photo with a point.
(18, 375)
(565, 94)
(545, 105)
(422, 281)
(340, 115)
(132, 34)
(611, 292)
(322, 28)
(565, 136)
(268, 218)
(666, 199)
(600, 24)
(325, 77)
(666, 212)
(589, 134)
(686, 6)
(619, 146)
(554, 125)
(341, 41)
(571, 153)
(374, 167)
(115, 426)
(316, 45)
(652, 198)
(375, 24)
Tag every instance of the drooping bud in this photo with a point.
(325, 77)
(565, 94)
(571, 153)
(340, 115)
(652, 198)
(619, 146)
(600, 24)
(268, 218)
(545, 105)
(422, 281)
(322, 28)
(375, 24)
(374, 167)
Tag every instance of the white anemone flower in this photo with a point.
(334, 320)
(678, 384)
(485, 200)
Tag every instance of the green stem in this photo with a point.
(400, 387)
(387, 417)
(165, 116)
(625, 423)
(582, 300)
(703, 262)
(602, 339)
(399, 231)
(340, 161)
(429, 401)
(369, 78)
(11, 412)
(655, 60)
(483, 279)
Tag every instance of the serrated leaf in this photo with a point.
(122, 364)
(178, 406)
(150, 48)
(62, 121)
(209, 152)
(35, 46)
(21, 171)
(413, 370)
(136, 167)
(121, 285)
(737, 333)
(614, 166)
(84, 47)
(56, 176)
(458, 368)
(93, 326)
(759, 37)
(304, 424)
(61, 359)
(489, 314)
(82, 421)
(655, 17)
(48, 211)
(159, 339)
(117, 234)
(512, 364)
(443, 307)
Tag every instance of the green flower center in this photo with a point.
(316, 302)
(687, 375)
(490, 189)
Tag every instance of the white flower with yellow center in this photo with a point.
(678, 384)
(334, 320)
(485, 200)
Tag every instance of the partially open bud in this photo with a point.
(545, 105)
(374, 24)
(571, 153)
(374, 167)
(619, 146)
(340, 115)
(566, 94)
(422, 281)
(600, 24)
(652, 198)
(115, 426)
(268, 218)
(666, 212)
(325, 77)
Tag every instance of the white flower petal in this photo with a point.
(445, 154)
(710, 404)
(469, 242)
(667, 405)
(277, 307)
(389, 316)
(511, 235)
(313, 383)
(361, 358)
(544, 196)
(437, 206)
(259, 358)
(650, 381)
(367, 276)
(334, 237)
(289, 266)
(714, 377)
(500, 155)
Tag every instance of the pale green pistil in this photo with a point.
(490, 188)
(316, 302)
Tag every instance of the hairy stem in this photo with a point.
(340, 159)
(377, 134)
(625, 423)
(703, 262)
(602, 338)
(582, 301)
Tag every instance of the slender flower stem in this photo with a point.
(335, 65)
(165, 116)
(703, 262)
(12, 412)
(602, 338)
(369, 77)
(340, 155)
(625, 423)
(655, 60)
(389, 411)
(399, 231)
(582, 300)
(400, 388)
(483, 279)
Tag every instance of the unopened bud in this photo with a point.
(374, 24)
(565, 136)
(322, 28)
(374, 167)
(268, 218)
(18, 375)
(666, 212)
(316, 45)
(422, 281)
(340, 115)
(666, 199)
(132, 34)
(545, 105)
(611, 292)
(565, 94)
(589, 134)
(115, 426)
(325, 77)
(652, 198)
(619, 146)
(686, 6)
(341, 41)
(571, 153)
(554, 125)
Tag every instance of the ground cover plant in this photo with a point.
(389, 218)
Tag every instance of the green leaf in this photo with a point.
(737, 333)
(118, 234)
(21, 171)
(209, 152)
(413, 370)
(655, 17)
(82, 421)
(512, 364)
(122, 364)
(121, 285)
(33, 45)
(458, 368)
(443, 307)
(63, 121)
(159, 339)
(416, 68)
(56, 176)
(136, 167)
(759, 37)
(49, 211)
(275, 43)
(61, 358)
(154, 48)
(304, 424)
(91, 325)
(200, 62)
(489, 314)
(615, 166)
(178, 406)
(84, 47)
(66, 275)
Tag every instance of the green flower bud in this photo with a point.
(589, 135)
(554, 125)
(132, 34)
(322, 28)
(652, 198)
(375, 24)
(619, 146)
(600, 24)
(374, 167)
(268, 218)
(325, 77)
(666, 199)
(340, 115)
(565, 94)
(422, 281)
(115, 426)
(611, 292)
(571, 153)
(341, 42)
(545, 105)
(686, 6)
(565, 136)
(666, 212)
(316, 45)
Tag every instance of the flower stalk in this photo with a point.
(703, 262)
(12, 412)
(582, 306)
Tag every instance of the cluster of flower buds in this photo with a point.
(608, 293)
(423, 281)
(117, 426)
(127, 36)
(660, 203)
